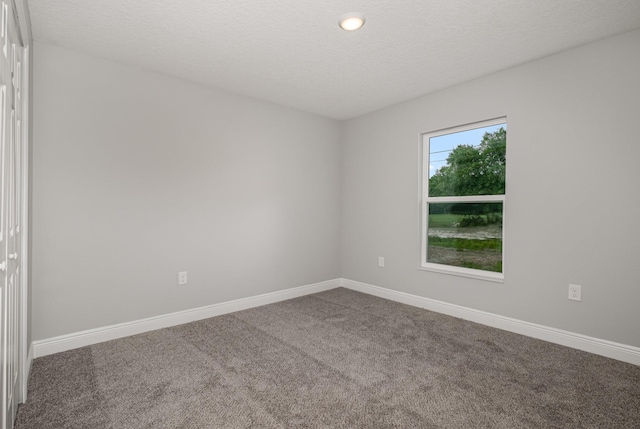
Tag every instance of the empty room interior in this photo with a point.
(354, 214)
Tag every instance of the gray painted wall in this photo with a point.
(572, 205)
(137, 176)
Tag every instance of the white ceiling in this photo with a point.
(293, 53)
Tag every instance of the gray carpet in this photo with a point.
(336, 359)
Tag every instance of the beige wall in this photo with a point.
(572, 211)
(137, 176)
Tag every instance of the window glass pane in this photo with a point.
(468, 162)
(466, 235)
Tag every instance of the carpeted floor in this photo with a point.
(336, 359)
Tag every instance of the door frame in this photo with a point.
(26, 351)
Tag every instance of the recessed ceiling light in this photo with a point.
(351, 21)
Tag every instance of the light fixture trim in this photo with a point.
(351, 21)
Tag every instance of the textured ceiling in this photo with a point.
(293, 53)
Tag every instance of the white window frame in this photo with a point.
(426, 200)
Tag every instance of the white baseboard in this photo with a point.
(597, 346)
(93, 336)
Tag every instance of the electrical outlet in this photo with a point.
(381, 261)
(575, 292)
(182, 278)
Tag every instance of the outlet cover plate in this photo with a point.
(575, 292)
(182, 278)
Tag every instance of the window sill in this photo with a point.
(464, 272)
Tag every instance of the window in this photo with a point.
(463, 189)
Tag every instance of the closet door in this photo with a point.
(10, 193)
(5, 120)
